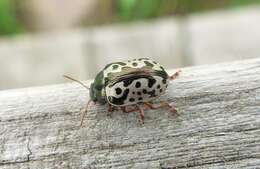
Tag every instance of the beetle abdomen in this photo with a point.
(136, 89)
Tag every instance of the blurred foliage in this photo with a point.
(141, 9)
(8, 21)
(238, 3)
(124, 10)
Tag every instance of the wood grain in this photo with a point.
(218, 125)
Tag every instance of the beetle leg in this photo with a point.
(110, 108)
(84, 112)
(141, 112)
(125, 110)
(162, 104)
(175, 75)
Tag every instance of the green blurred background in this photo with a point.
(13, 20)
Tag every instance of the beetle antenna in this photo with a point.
(84, 112)
(70, 78)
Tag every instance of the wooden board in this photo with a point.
(218, 125)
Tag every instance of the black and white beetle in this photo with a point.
(128, 84)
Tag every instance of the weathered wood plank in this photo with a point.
(218, 125)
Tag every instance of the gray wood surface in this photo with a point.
(218, 125)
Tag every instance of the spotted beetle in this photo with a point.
(128, 84)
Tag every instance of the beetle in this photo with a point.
(129, 84)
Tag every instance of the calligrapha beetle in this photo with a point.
(129, 85)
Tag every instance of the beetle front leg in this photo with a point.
(175, 75)
(162, 104)
(85, 112)
(110, 108)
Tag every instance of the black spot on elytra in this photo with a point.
(162, 73)
(134, 64)
(133, 92)
(161, 68)
(118, 90)
(152, 93)
(140, 59)
(120, 100)
(131, 99)
(161, 90)
(144, 91)
(164, 81)
(137, 84)
(158, 86)
(140, 98)
(148, 64)
(129, 80)
(115, 67)
(115, 63)
(139, 93)
(120, 63)
(151, 82)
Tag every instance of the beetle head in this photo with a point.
(95, 93)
